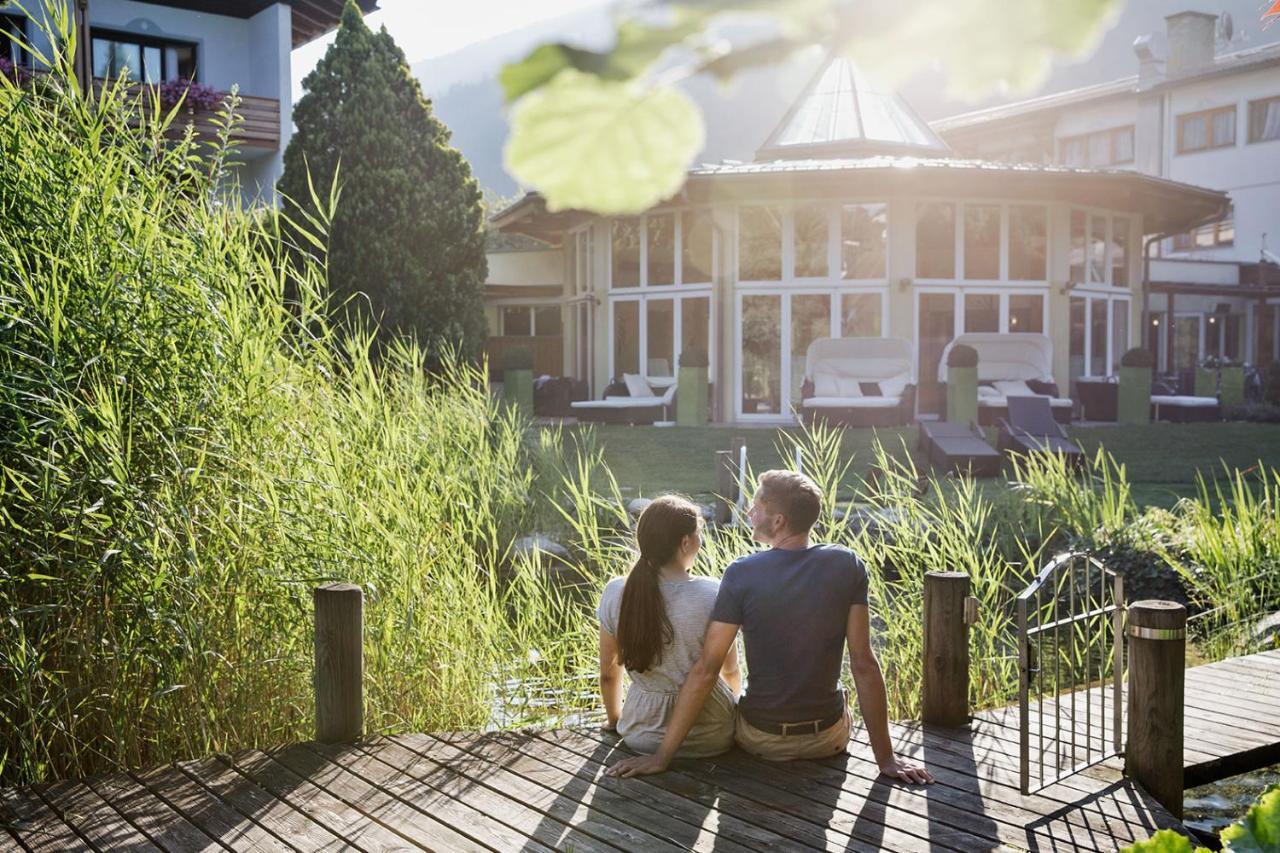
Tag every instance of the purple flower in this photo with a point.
(197, 96)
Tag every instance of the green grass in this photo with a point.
(1161, 460)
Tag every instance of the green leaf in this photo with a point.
(541, 66)
(1259, 830)
(1164, 841)
(592, 144)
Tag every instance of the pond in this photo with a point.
(1208, 808)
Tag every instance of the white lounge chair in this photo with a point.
(858, 382)
(642, 406)
(1015, 364)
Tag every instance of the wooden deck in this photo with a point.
(544, 790)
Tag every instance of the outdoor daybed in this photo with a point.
(1182, 408)
(641, 406)
(959, 447)
(1031, 427)
(858, 382)
(1012, 364)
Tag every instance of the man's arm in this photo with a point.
(693, 694)
(610, 678)
(872, 699)
(730, 671)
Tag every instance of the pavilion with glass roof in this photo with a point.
(855, 219)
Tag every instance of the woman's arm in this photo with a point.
(610, 678)
(730, 672)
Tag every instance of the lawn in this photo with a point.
(1162, 460)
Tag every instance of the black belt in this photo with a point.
(807, 727)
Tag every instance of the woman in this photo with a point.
(652, 624)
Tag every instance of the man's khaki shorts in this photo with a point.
(826, 743)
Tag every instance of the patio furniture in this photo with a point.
(1185, 409)
(1099, 398)
(858, 382)
(1030, 428)
(959, 447)
(1010, 364)
(640, 406)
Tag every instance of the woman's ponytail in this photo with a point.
(644, 628)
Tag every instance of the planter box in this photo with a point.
(517, 389)
(962, 395)
(692, 396)
(1206, 384)
(1134, 406)
(1231, 390)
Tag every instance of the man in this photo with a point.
(797, 605)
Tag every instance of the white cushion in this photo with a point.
(618, 403)
(987, 392)
(826, 382)
(1000, 402)
(1185, 401)
(893, 386)
(1014, 388)
(852, 402)
(636, 385)
(847, 387)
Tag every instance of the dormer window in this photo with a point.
(142, 58)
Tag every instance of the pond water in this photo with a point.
(1208, 808)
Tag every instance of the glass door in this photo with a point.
(810, 320)
(937, 326)
(760, 328)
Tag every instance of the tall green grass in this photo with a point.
(184, 454)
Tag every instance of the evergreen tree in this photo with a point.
(407, 240)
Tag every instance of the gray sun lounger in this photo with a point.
(1030, 427)
(959, 447)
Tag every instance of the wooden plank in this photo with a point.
(497, 807)
(844, 822)
(574, 803)
(396, 781)
(167, 829)
(672, 793)
(951, 804)
(397, 816)
(252, 800)
(94, 818)
(34, 825)
(202, 808)
(356, 830)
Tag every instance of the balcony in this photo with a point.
(259, 127)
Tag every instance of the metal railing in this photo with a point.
(1074, 607)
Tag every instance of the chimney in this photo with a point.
(1150, 69)
(1191, 40)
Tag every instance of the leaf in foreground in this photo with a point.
(584, 142)
(1259, 830)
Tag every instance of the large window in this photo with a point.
(142, 58)
(660, 337)
(1028, 243)
(1098, 334)
(982, 241)
(540, 321)
(812, 237)
(761, 354)
(982, 312)
(860, 315)
(936, 240)
(759, 243)
(1026, 312)
(662, 249)
(1099, 249)
(649, 332)
(696, 247)
(1264, 119)
(864, 238)
(626, 337)
(626, 253)
(660, 238)
(1214, 128)
(1213, 235)
(1103, 148)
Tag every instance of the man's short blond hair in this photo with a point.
(793, 496)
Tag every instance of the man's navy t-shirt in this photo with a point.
(793, 607)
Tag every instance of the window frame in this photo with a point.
(678, 282)
(1249, 137)
(958, 249)
(677, 298)
(143, 41)
(1083, 140)
(1208, 116)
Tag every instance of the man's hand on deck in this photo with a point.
(905, 771)
(639, 765)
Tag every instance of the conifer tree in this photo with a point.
(406, 246)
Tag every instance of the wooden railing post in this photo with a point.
(339, 665)
(1157, 633)
(946, 649)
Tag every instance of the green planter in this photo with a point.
(1206, 382)
(962, 395)
(1135, 395)
(517, 388)
(1232, 387)
(691, 396)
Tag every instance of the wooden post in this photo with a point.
(1157, 633)
(946, 649)
(339, 672)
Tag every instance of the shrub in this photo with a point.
(1138, 358)
(517, 358)
(694, 357)
(1260, 413)
(962, 356)
(1271, 384)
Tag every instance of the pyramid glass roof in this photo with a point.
(842, 112)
